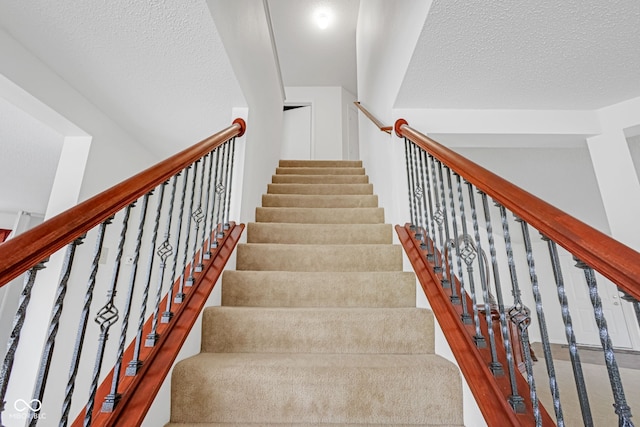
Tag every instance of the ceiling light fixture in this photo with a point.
(323, 18)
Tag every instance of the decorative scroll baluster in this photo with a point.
(232, 152)
(431, 251)
(54, 324)
(205, 252)
(135, 363)
(106, 317)
(189, 281)
(226, 188)
(439, 219)
(220, 189)
(447, 259)
(495, 366)
(468, 254)
(622, 409)
(215, 208)
(542, 323)
(14, 338)
(581, 387)
(112, 399)
(197, 217)
(420, 198)
(410, 187)
(168, 314)
(209, 210)
(82, 327)
(426, 237)
(514, 398)
(454, 223)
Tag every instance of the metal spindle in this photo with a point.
(106, 317)
(82, 327)
(205, 252)
(54, 324)
(135, 363)
(215, 208)
(112, 399)
(416, 191)
(220, 189)
(439, 219)
(198, 217)
(447, 260)
(465, 317)
(209, 210)
(622, 409)
(168, 314)
(514, 399)
(431, 250)
(578, 375)
(189, 281)
(542, 323)
(227, 150)
(14, 338)
(424, 220)
(232, 152)
(412, 210)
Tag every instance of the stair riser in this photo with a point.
(319, 179)
(267, 257)
(317, 330)
(320, 171)
(424, 391)
(307, 201)
(321, 189)
(319, 234)
(318, 289)
(321, 215)
(320, 163)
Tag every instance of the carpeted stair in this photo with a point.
(318, 323)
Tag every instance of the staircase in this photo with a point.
(318, 324)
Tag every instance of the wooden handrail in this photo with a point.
(24, 251)
(371, 117)
(614, 260)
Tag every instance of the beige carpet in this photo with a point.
(318, 324)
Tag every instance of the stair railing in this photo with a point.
(176, 215)
(378, 123)
(458, 211)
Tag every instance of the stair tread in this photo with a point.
(305, 233)
(321, 215)
(320, 189)
(320, 201)
(319, 179)
(320, 163)
(319, 171)
(300, 425)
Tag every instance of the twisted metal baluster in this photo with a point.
(622, 409)
(197, 217)
(468, 254)
(215, 209)
(189, 281)
(439, 219)
(542, 323)
(514, 399)
(112, 399)
(431, 252)
(106, 317)
(167, 249)
(450, 282)
(495, 366)
(82, 327)
(54, 324)
(232, 151)
(424, 219)
(14, 338)
(465, 317)
(412, 212)
(168, 314)
(227, 165)
(416, 191)
(205, 252)
(220, 189)
(578, 376)
(135, 363)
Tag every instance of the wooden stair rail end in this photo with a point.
(378, 123)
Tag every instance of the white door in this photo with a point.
(581, 308)
(296, 134)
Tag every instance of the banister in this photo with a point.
(614, 260)
(375, 121)
(26, 250)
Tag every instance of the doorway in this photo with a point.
(296, 133)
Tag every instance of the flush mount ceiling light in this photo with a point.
(323, 17)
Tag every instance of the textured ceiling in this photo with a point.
(36, 148)
(310, 56)
(544, 54)
(146, 64)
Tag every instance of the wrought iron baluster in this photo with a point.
(542, 323)
(468, 254)
(514, 399)
(189, 281)
(112, 399)
(198, 217)
(167, 315)
(232, 152)
(454, 223)
(205, 252)
(209, 209)
(431, 252)
(227, 151)
(578, 375)
(447, 261)
(424, 220)
(438, 217)
(418, 194)
(410, 190)
(14, 338)
(622, 409)
(54, 324)
(215, 208)
(106, 317)
(220, 189)
(82, 327)
(135, 363)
